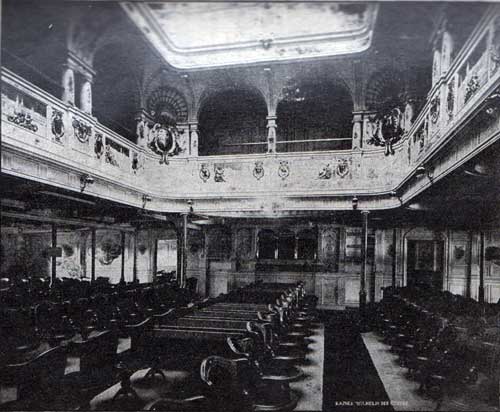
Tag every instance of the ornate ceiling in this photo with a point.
(203, 35)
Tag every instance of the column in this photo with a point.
(155, 258)
(182, 274)
(271, 134)
(86, 95)
(468, 272)
(68, 85)
(394, 261)
(357, 130)
(53, 274)
(92, 251)
(193, 140)
(122, 274)
(481, 268)
(134, 269)
(364, 266)
(142, 128)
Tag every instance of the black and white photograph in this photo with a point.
(250, 206)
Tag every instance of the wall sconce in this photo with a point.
(354, 203)
(422, 170)
(145, 199)
(395, 194)
(190, 204)
(84, 181)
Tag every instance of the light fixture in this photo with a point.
(85, 180)
(145, 199)
(190, 204)
(421, 171)
(479, 170)
(354, 203)
(395, 194)
(417, 206)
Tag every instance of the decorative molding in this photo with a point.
(82, 130)
(283, 169)
(204, 172)
(258, 170)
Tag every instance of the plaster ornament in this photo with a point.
(283, 170)
(258, 170)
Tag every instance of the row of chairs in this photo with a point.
(434, 333)
(256, 379)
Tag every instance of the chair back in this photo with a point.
(98, 351)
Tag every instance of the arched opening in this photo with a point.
(233, 122)
(307, 244)
(267, 243)
(315, 116)
(115, 90)
(385, 90)
(286, 245)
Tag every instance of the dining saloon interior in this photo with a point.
(262, 206)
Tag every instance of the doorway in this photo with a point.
(425, 263)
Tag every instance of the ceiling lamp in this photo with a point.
(479, 170)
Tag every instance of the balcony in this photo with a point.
(49, 141)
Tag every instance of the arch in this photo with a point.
(307, 244)
(167, 105)
(267, 242)
(116, 89)
(385, 89)
(232, 121)
(286, 244)
(314, 115)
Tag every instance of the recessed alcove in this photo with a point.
(233, 121)
(314, 116)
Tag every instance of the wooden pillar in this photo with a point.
(53, 274)
(155, 258)
(364, 257)
(134, 269)
(394, 258)
(122, 274)
(468, 273)
(92, 251)
(182, 277)
(481, 268)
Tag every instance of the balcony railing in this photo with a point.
(35, 120)
(459, 92)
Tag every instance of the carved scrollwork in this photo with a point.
(23, 120)
(450, 100)
(258, 170)
(388, 130)
(110, 156)
(164, 141)
(57, 125)
(326, 173)
(82, 131)
(342, 168)
(98, 145)
(204, 172)
(283, 170)
(434, 109)
(472, 87)
(137, 162)
(219, 173)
